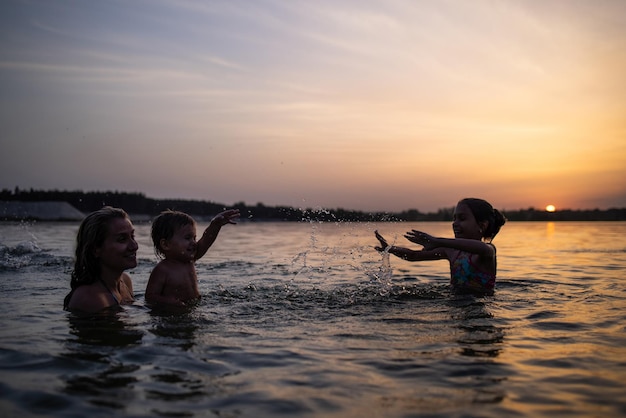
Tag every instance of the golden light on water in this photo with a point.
(550, 208)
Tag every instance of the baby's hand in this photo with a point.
(421, 238)
(227, 217)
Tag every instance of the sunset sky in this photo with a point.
(367, 105)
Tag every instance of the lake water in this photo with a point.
(307, 319)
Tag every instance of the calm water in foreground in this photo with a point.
(306, 319)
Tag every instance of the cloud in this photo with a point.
(326, 101)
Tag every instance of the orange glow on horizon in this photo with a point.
(521, 118)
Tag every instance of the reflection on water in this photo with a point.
(95, 340)
(481, 341)
(104, 388)
(109, 328)
(481, 336)
(176, 326)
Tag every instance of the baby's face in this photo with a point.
(182, 245)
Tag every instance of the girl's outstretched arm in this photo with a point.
(429, 242)
(408, 254)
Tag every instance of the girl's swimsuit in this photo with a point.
(465, 276)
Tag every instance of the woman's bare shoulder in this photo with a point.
(88, 298)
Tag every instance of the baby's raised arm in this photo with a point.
(210, 234)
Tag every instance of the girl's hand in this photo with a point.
(383, 242)
(421, 238)
(227, 217)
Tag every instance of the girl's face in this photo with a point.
(464, 224)
(182, 245)
(119, 249)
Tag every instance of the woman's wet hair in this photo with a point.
(91, 235)
(164, 226)
(483, 211)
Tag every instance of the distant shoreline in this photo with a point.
(22, 205)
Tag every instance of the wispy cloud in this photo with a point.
(450, 91)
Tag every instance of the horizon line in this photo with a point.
(243, 202)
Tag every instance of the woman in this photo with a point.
(105, 248)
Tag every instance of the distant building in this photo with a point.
(40, 211)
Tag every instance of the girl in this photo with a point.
(471, 254)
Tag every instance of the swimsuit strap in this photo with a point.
(107, 288)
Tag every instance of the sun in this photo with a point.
(550, 208)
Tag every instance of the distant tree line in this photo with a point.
(138, 203)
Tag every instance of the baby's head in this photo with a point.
(165, 225)
(484, 212)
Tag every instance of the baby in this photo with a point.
(174, 281)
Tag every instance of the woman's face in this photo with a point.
(119, 249)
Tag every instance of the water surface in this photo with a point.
(307, 319)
